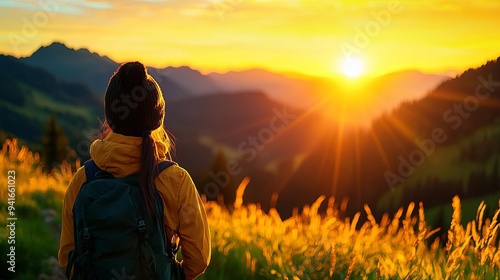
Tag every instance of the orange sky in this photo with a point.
(310, 37)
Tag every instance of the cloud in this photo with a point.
(92, 4)
(65, 7)
(18, 4)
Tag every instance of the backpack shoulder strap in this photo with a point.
(91, 170)
(90, 173)
(164, 165)
(168, 244)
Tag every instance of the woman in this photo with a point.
(135, 142)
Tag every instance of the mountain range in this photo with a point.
(294, 90)
(217, 117)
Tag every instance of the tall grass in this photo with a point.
(36, 192)
(251, 244)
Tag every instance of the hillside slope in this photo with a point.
(30, 95)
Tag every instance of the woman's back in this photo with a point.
(133, 147)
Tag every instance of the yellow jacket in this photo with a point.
(184, 212)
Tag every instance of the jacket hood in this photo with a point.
(119, 154)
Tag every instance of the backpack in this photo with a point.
(115, 238)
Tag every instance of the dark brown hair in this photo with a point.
(144, 119)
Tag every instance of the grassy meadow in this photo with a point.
(251, 244)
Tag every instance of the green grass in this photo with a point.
(42, 100)
(40, 104)
(233, 264)
(35, 240)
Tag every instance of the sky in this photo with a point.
(297, 36)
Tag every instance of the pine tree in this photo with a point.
(220, 177)
(54, 144)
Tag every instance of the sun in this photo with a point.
(352, 67)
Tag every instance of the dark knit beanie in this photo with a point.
(133, 103)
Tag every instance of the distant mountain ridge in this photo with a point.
(413, 84)
(91, 69)
(190, 79)
(300, 91)
(59, 60)
(384, 91)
